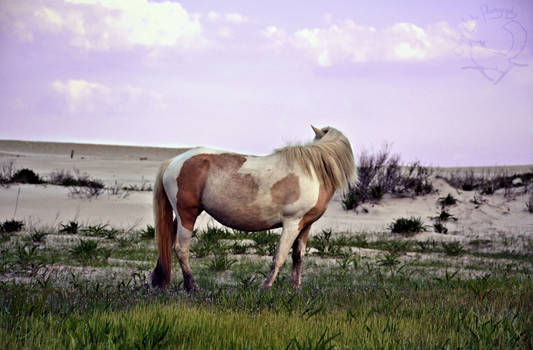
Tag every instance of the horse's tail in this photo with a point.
(163, 232)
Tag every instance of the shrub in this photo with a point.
(100, 231)
(85, 250)
(447, 201)
(148, 232)
(26, 253)
(265, 242)
(408, 226)
(440, 228)
(92, 189)
(390, 259)
(238, 248)
(26, 176)
(323, 243)
(221, 261)
(208, 240)
(37, 236)
(11, 226)
(444, 216)
(452, 248)
(77, 178)
(381, 173)
(71, 228)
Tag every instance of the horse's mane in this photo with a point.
(330, 157)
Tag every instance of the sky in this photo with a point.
(446, 84)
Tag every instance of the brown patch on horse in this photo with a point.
(191, 181)
(286, 190)
(318, 209)
(240, 188)
(240, 192)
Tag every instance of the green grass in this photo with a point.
(349, 302)
(393, 313)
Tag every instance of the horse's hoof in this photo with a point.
(191, 287)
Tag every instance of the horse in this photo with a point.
(290, 188)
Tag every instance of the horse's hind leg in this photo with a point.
(181, 248)
(288, 235)
(298, 251)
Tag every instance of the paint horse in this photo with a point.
(289, 188)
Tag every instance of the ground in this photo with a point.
(363, 286)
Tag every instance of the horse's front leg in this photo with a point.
(298, 251)
(288, 235)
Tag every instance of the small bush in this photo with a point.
(265, 242)
(221, 263)
(148, 232)
(351, 199)
(93, 189)
(85, 250)
(390, 259)
(100, 231)
(238, 248)
(208, 241)
(439, 227)
(38, 235)
(26, 176)
(323, 243)
(71, 228)
(447, 201)
(11, 226)
(408, 226)
(444, 216)
(26, 253)
(452, 248)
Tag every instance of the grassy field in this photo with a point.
(86, 288)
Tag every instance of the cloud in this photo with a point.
(346, 41)
(106, 24)
(276, 37)
(232, 18)
(83, 96)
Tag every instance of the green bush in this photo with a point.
(11, 226)
(148, 232)
(408, 226)
(26, 176)
(71, 228)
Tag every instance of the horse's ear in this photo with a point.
(319, 133)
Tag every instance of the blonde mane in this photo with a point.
(330, 157)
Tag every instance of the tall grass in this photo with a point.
(394, 313)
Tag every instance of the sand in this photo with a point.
(497, 216)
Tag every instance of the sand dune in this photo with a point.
(40, 204)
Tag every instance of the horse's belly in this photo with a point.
(245, 217)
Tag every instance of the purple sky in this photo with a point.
(450, 85)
